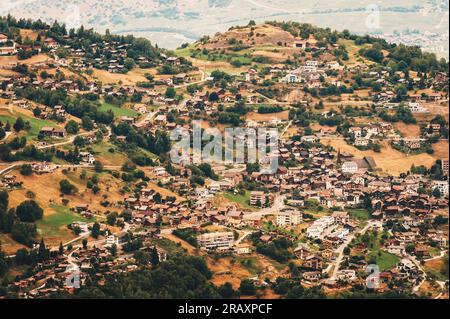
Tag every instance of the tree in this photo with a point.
(170, 93)
(95, 232)
(67, 188)
(87, 123)
(141, 257)
(26, 170)
(436, 193)
(24, 233)
(346, 251)
(113, 249)
(226, 291)
(98, 166)
(111, 218)
(19, 124)
(247, 288)
(84, 243)
(72, 127)
(154, 256)
(29, 211)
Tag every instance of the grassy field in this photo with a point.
(55, 225)
(384, 260)
(35, 124)
(242, 200)
(359, 213)
(118, 111)
(252, 264)
(435, 268)
(102, 153)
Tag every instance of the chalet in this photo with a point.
(51, 43)
(312, 275)
(302, 252)
(3, 38)
(251, 75)
(127, 119)
(313, 263)
(47, 131)
(160, 119)
(174, 60)
(10, 181)
(87, 158)
(341, 217)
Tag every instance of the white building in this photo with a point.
(416, 108)
(349, 167)
(219, 240)
(289, 218)
(442, 186)
(319, 226)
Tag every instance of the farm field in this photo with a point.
(54, 226)
(389, 160)
(257, 117)
(118, 111)
(102, 152)
(241, 200)
(35, 123)
(408, 130)
(47, 192)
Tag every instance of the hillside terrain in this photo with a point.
(94, 183)
(171, 23)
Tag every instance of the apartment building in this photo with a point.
(289, 218)
(219, 240)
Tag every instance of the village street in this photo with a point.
(340, 250)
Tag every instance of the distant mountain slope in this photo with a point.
(172, 22)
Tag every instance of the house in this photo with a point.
(10, 181)
(291, 78)
(3, 38)
(161, 119)
(251, 75)
(51, 43)
(87, 158)
(346, 274)
(302, 252)
(243, 249)
(312, 275)
(313, 263)
(361, 141)
(174, 60)
(48, 131)
(415, 107)
(341, 217)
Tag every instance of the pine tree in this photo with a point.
(154, 257)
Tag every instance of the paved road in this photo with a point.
(349, 239)
(240, 239)
(278, 204)
(203, 79)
